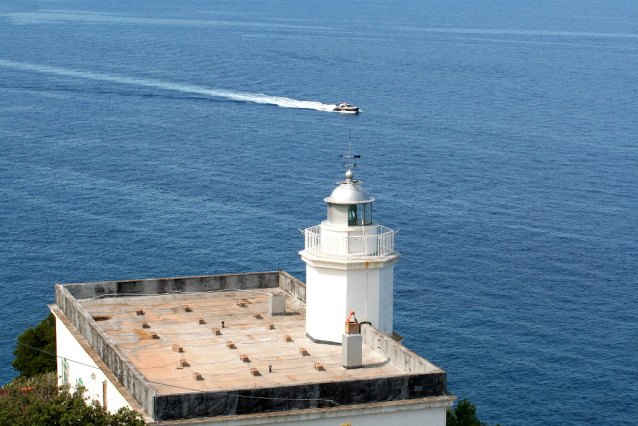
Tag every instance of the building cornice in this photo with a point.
(349, 263)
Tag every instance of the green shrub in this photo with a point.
(464, 414)
(37, 401)
(30, 362)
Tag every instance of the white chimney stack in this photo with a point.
(352, 344)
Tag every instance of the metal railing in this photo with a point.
(375, 242)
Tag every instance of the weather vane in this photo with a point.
(349, 164)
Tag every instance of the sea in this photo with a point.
(179, 138)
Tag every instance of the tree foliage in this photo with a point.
(30, 362)
(37, 401)
(464, 414)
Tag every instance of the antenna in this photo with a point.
(349, 164)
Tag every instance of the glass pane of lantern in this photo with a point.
(352, 215)
(368, 214)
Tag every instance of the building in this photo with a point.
(259, 348)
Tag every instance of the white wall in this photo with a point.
(325, 303)
(370, 296)
(333, 293)
(420, 413)
(386, 300)
(363, 294)
(425, 417)
(85, 369)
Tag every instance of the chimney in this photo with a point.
(352, 344)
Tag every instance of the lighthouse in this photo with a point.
(273, 357)
(349, 265)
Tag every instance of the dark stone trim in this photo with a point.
(300, 397)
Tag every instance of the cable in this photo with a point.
(173, 386)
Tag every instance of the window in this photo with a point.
(352, 215)
(65, 371)
(368, 213)
(360, 214)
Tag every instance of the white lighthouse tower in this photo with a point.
(349, 265)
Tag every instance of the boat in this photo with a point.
(347, 108)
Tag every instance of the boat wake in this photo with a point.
(258, 98)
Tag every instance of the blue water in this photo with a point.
(158, 139)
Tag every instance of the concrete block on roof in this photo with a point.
(352, 350)
(276, 304)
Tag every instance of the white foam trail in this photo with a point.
(520, 32)
(61, 16)
(258, 98)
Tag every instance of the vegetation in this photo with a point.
(34, 398)
(31, 362)
(464, 414)
(37, 401)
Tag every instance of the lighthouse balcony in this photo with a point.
(372, 241)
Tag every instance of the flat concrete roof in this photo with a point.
(221, 367)
(142, 350)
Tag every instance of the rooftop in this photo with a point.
(204, 352)
(159, 338)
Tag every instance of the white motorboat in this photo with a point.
(347, 108)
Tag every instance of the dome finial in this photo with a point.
(349, 174)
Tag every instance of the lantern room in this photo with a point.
(349, 204)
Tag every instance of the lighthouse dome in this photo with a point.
(349, 191)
